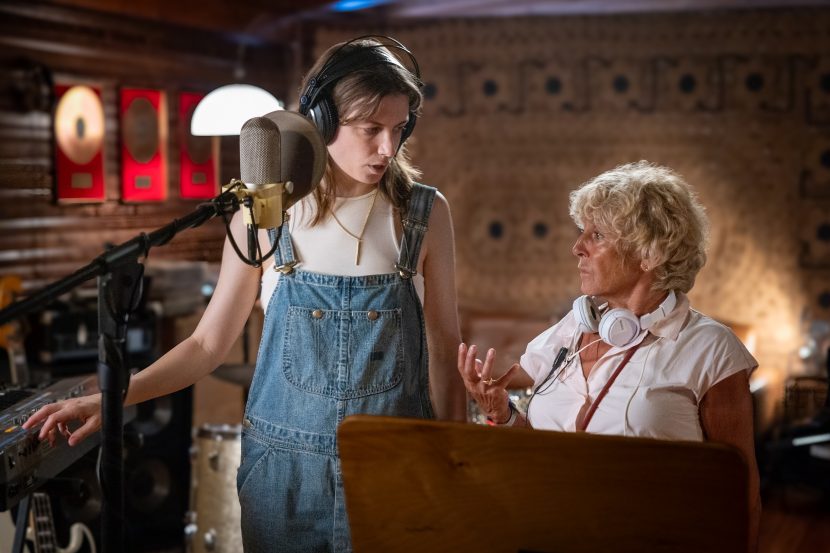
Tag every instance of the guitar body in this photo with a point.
(41, 530)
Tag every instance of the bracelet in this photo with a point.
(514, 414)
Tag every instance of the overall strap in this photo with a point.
(414, 228)
(284, 260)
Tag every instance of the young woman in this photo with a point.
(362, 280)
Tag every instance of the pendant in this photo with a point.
(357, 252)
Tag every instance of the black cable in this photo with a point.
(560, 357)
(243, 257)
(549, 379)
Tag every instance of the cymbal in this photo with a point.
(240, 374)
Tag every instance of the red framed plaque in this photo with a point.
(143, 145)
(79, 144)
(198, 155)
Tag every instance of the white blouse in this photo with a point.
(656, 394)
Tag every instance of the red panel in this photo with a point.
(198, 154)
(143, 145)
(79, 144)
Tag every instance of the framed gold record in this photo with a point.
(79, 127)
(198, 155)
(143, 114)
(79, 124)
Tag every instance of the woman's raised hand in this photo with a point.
(56, 417)
(489, 393)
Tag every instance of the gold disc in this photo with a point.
(79, 124)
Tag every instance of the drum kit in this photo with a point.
(214, 519)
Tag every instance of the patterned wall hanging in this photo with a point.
(815, 176)
(198, 155)
(143, 145)
(79, 144)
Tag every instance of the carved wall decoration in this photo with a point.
(815, 234)
(550, 85)
(759, 83)
(818, 286)
(621, 84)
(815, 176)
(739, 104)
(688, 83)
(491, 88)
(817, 89)
(448, 90)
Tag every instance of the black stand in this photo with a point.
(120, 275)
(21, 523)
(118, 296)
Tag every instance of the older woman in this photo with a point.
(639, 361)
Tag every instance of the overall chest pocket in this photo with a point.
(343, 354)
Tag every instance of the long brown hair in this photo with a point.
(357, 95)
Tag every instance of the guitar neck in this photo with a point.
(42, 524)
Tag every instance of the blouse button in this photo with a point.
(373, 315)
(317, 313)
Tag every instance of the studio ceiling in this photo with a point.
(264, 18)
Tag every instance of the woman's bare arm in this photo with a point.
(184, 364)
(441, 312)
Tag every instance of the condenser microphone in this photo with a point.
(303, 153)
(282, 158)
(259, 167)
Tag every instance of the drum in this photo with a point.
(215, 518)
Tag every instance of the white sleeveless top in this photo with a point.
(326, 248)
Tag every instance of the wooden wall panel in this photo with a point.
(41, 241)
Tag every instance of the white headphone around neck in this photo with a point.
(619, 326)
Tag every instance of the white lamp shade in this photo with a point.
(225, 110)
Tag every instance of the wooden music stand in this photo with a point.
(425, 486)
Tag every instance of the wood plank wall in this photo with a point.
(41, 241)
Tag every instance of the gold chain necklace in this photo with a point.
(358, 237)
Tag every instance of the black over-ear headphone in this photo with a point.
(316, 101)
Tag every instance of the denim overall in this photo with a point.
(332, 346)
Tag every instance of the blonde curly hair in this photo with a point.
(652, 216)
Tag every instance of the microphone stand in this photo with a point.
(119, 276)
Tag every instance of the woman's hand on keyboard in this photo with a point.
(84, 413)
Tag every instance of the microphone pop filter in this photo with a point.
(303, 153)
